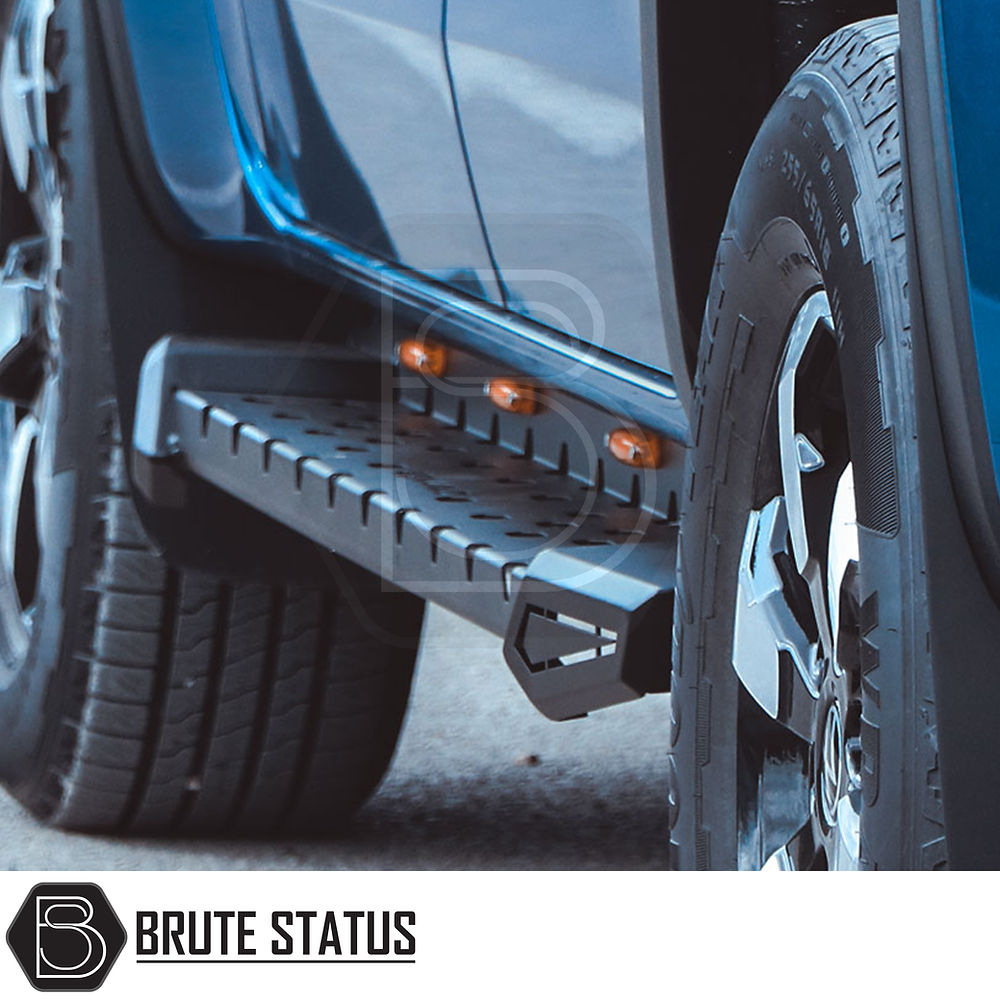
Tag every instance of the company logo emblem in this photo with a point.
(66, 936)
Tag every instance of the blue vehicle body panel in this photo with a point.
(387, 177)
(187, 127)
(341, 117)
(552, 109)
(969, 33)
(347, 129)
(263, 216)
(373, 77)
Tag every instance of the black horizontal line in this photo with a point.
(275, 961)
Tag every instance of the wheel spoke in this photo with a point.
(845, 846)
(798, 704)
(14, 481)
(784, 799)
(800, 457)
(798, 854)
(843, 546)
(780, 861)
(23, 86)
(22, 301)
(766, 625)
(18, 538)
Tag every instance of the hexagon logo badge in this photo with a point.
(66, 936)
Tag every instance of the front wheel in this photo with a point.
(804, 725)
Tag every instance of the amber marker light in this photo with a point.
(636, 447)
(514, 397)
(423, 356)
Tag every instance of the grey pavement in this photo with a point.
(480, 780)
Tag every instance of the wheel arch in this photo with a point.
(227, 294)
(712, 80)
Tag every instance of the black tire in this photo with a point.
(150, 699)
(819, 205)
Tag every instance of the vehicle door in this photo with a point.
(551, 103)
(349, 106)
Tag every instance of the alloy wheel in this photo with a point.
(796, 636)
(31, 237)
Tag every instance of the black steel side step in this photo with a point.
(579, 582)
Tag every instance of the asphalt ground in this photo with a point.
(480, 781)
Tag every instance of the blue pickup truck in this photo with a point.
(659, 339)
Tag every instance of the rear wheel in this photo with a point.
(804, 732)
(134, 696)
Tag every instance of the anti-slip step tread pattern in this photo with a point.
(430, 507)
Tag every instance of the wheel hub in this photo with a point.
(832, 763)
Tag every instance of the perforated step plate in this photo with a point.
(579, 582)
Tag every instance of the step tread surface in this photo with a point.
(451, 510)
